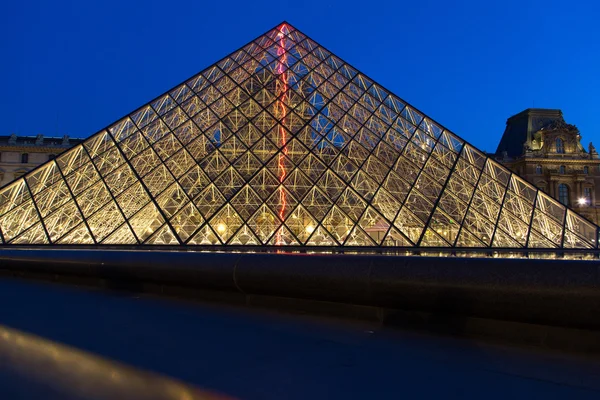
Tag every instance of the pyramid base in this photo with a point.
(548, 303)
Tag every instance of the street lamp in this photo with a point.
(582, 201)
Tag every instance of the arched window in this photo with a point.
(563, 194)
(560, 146)
(562, 170)
(24, 158)
(586, 170)
(538, 169)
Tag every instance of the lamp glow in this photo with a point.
(221, 228)
(582, 201)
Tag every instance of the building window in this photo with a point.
(587, 195)
(24, 158)
(563, 194)
(562, 170)
(51, 156)
(538, 169)
(586, 170)
(560, 146)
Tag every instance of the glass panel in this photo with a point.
(146, 222)
(18, 220)
(283, 143)
(62, 221)
(105, 221)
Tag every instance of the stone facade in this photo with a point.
(19, 154)
(545, 150)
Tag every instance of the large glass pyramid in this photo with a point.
(282, 143)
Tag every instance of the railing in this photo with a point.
(566, 254)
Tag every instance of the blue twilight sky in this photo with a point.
(74, 67)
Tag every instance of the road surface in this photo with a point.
(251, 354)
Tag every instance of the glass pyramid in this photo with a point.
(282, 143)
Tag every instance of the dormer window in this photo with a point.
(560, 146)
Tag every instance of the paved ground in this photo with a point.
(264, 355)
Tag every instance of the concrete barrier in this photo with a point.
(563, 293)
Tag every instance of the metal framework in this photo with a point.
(282, 143)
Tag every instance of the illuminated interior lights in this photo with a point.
(281, 111)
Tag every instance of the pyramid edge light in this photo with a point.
(281, 143)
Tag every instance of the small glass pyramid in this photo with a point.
(282, 143)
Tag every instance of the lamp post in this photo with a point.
(585, 201)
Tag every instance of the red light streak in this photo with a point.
(281, 52)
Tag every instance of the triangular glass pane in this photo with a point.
(301, 223)
(62, 221)
(226, 222)
(536, 240)
(283, 237)
(467, 239)
(79, 235)
(396, 239)
(123, 235)
(386, 204)
(244, 237)
(146, 222)
(374, 224)
(194, 181)
(93, 198)
(164, 236)
(264, 183)
(13, 195)
(43, 177)
(120, 179)
(358, 237)
(584, 229)
(351, 204)
(186, 221)
(264, 223)
(18, 220)
(479, 225)
(204, 236)
(320, 237)
(433, 239)
(209, 200)
(338, 224)
(409, 225)
(504, 240)
(133, 199)
(229, 182)
(444, 225)
(34, 235)
(105, 221)
(52, 198)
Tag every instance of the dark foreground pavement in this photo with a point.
(256, 355)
